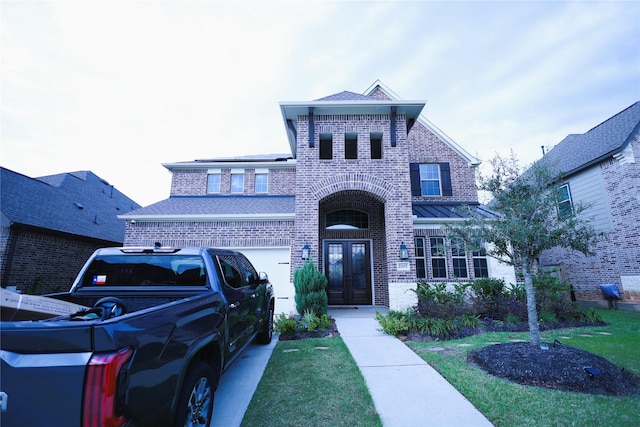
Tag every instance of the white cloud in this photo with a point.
(121, 87)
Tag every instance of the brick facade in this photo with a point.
(378, 185)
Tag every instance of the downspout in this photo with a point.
(393, 126)
(312, 132)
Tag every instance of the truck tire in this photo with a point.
(266, 333)
(195, 406)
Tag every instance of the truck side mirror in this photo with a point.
(263, 277)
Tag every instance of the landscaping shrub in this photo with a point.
(310, 286)
(434, 300)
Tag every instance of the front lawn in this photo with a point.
(311, 382)
(506, 403)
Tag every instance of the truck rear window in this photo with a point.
(145, 270)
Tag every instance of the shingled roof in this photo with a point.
(348, 96)
(579, 151)
(220, 206)
(76, 203)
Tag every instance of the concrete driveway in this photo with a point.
(238, 384)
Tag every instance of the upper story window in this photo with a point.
(237, 181)
(375, 139)
(326, 146)
(430, 179)
(213, 182)
(565, 206)
(347, 219)
(350, 145)
(262, 182)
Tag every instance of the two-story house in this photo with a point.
(602, 171)
(365, 193)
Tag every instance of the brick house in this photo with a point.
(601, 170)
(367, 177)
(51, 224)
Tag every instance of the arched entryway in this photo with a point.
(351, 232)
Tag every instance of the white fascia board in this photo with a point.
(208, 217)
(289, 164)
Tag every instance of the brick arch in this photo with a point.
(380, 189)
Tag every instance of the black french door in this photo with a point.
(347, 265)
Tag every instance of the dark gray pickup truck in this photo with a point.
(161, 326)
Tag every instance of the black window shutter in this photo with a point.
(445, 178)
(414, 173)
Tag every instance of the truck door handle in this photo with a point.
(234, 305)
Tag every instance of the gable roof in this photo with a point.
(471, 160)
(579, 151)
(198, 208)
(343, 103)
(77, 203)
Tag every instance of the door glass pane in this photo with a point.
(358, 266)
(335, 265)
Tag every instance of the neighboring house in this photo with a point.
(601, 171)
(51, 224)
(367, 177)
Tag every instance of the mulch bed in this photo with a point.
(561, 367)
(331, 331)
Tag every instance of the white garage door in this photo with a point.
(275, 262)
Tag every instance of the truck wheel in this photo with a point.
(195, 406)
(266, 333)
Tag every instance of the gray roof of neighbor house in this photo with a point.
(579, 151)
(195, 207)
(76, 203)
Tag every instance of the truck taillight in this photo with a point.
(101, 389)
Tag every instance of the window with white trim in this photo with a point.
(262, 182)
(565, 206)
(213, 183)
(237, 182)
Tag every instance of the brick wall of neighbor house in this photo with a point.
(193, 182)
(617, 258)
(44, 263)
(210, 234)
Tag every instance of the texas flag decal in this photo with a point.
(100, 279)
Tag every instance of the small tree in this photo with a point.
(526, 224)
(310, 286)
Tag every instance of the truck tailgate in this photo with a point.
(43, 362)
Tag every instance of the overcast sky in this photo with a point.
(118, 88)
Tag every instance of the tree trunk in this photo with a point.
(532, 312)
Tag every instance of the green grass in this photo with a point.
(508, 404)
(311, 382)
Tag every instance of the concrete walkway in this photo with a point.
(406, 391)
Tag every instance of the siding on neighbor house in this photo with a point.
(617, 254)
(587, 188)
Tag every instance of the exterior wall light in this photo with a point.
(404, 252)
(305, 252)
